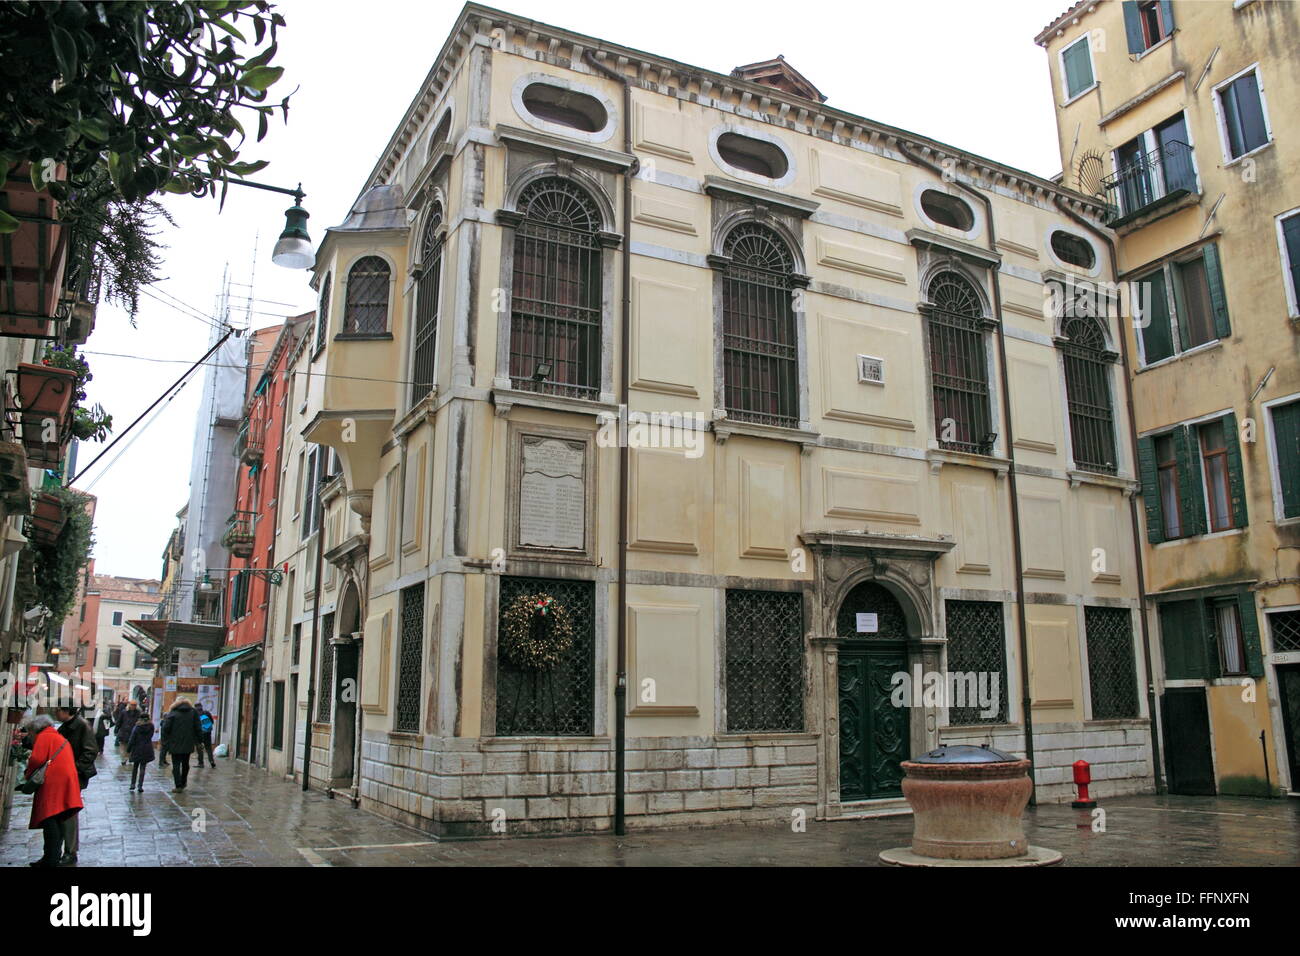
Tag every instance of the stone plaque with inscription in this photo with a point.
(552, 494)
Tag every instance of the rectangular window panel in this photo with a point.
(115, 657)
(977, 645)
(1286, 446)
(1284, 627)
(410, 662)
(1167, 470)
(1227, 626)
(1243, 115)
(1112, 670)
(1291, 240)
(1153, 30)
(1214, 458)
(1175, 154)
(325, 688)
(1182, 640)
(1196, 318)
(1078, 68)
(1157, 339)
(296, 646)
(764, 666)
(559, 700)
(277, 716)
(117, 618)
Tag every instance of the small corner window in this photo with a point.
(1147, 23)
(1072, 249)
(1242, 118)
(565, 107)
(117, 618)
(1076, 67)
(115, 658)
(947, 210)
(323, 313)
(753, 155)
(366, 312)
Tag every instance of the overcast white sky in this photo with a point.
(966, 73)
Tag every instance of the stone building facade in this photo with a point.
(785, 374)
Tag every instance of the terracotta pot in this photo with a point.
(45, 390)
(968, 811)
(37, 257)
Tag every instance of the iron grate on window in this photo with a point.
(559, 701)
(427, 291)
(760, 338)
(323, 319)
(1087, 389)
(977, 645)
(959, 371)
(366, 311)
(1285, 629)
(764, 661)
(410, 660)
(325, 688)
(297, 645)
(1112, 670)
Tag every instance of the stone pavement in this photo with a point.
(250, 818)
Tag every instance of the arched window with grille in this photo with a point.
(323, 313)
(555, 305)
(959, 373)
(366, 311)
(427, 292)
(760, 348)
(1087, 393)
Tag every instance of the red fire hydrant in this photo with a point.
(1083, 777)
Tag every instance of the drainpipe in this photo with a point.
(315, 636)
(1158, 777)
(1021, 627)
(624, 365)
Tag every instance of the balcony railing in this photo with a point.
(1159, 177)
(205, 604)
(250, 441)
(239, 533)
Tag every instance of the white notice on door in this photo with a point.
(868, 623)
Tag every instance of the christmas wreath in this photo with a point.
(536, 632)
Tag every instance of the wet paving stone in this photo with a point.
(237, 815)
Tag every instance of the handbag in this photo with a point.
(37, 778)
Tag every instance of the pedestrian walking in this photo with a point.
(130, 714)
(180, 735)
(140, 747)
(206, 724)
(77, 733)
(103, 723)
(51, 775)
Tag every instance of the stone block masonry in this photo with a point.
(459, 787)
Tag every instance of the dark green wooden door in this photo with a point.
(873, 732)
(1187, 741)
(1289, 684)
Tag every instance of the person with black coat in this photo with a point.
(140, 750)
(81, 741)
(180, 734)
(102, 724)
(124, 723)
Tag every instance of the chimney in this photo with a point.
(779, 75)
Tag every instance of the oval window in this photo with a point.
(947, 210)
(554, 104)
(753, 155)
(1073, 249)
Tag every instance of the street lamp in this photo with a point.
(293, 250)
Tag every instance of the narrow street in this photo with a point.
(237, 815)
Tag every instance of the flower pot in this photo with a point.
(46, 395)
(32, 259)
(48, 518)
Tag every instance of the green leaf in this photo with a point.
(261, 126)
(247, 169)
(65, 52)
(262, 58)
(260, 78)
(41, 173)
(190, 146)
(94, 128)
(218, 22)
(8, 223)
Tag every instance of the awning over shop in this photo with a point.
(211, 667)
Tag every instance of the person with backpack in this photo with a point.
(206, 723)
(130, 714)
(180, 734)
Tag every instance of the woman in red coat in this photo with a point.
(58, 799)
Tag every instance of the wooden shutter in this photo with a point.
(1291, 239)
(1133, 27)
(1182, 640)
(1150, 476)
(1166, 16)
(1188, 456)
(1078, 68)
(1218, 300)
(1157, 339)
(1236, 480)
(1250, 633)
(1286, 443)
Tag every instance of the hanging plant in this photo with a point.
(57, 567)
(536, 632)
(91, 423)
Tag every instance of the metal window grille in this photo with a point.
(559, 701)
(1087, 391)
(325, 689)
(764, 661)
(427, 291)
(958, 366)
(1112, 670)
(296, 650)
(323, 313)
(556, 295)
(1285, 629)
(977, 644)
(410, 661)
(871, 597)
(760, 347)
(366, 311)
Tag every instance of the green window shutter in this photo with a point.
(1078, 69)
(1190, 484)
(1286, 444)
(1218, 299)
(1166, 16)
(1291, 239)
(1133, 27)
(1236, 479)
(1149, 474)
(1157, 340)
(1183, 640)
(1250, 633)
